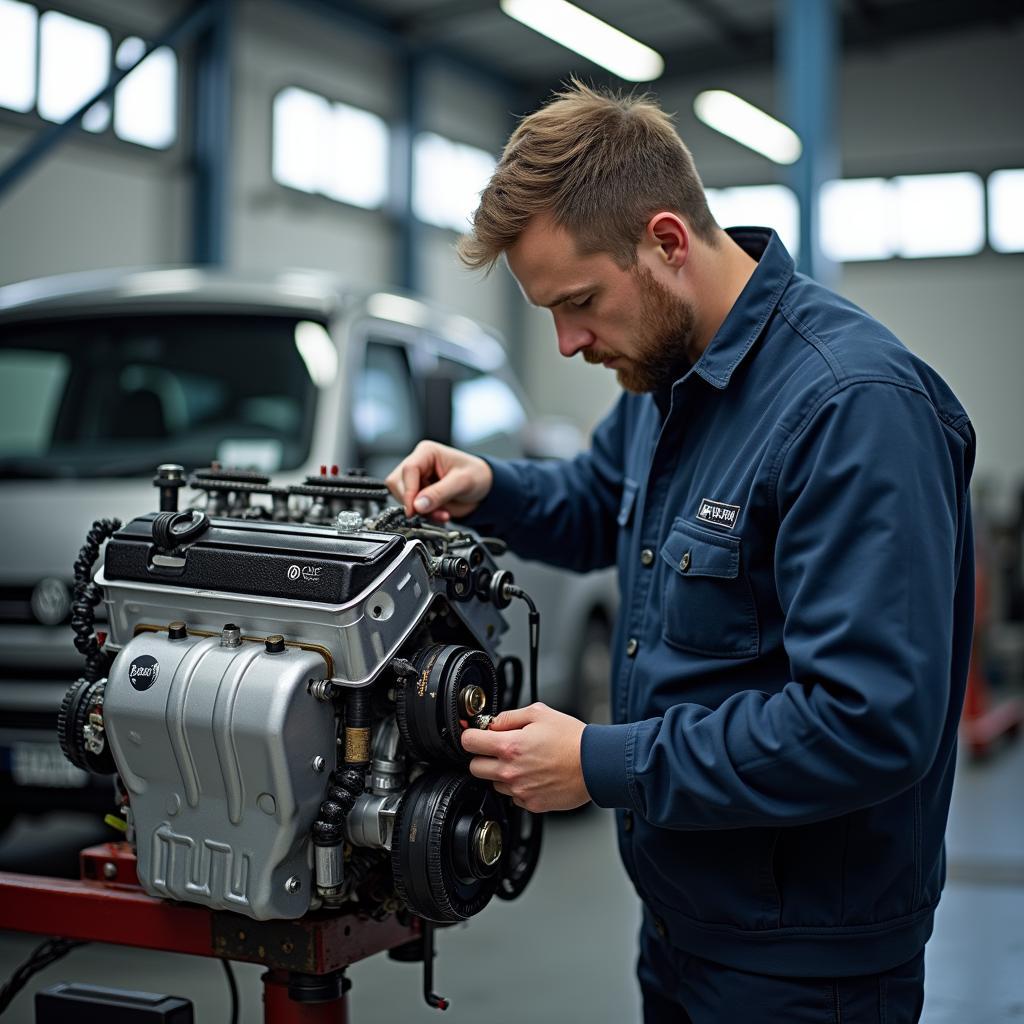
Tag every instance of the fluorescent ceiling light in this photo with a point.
(588, 36)
(748, 125)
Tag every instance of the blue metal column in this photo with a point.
(807, 63)
(211, 139)
(409, 231)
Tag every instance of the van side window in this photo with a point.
(386, 414)
(487, 416)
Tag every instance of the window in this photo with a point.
(33, 382)
(329, 148)
(913, 216)
(773, 206)
(74, 64)
(1006, 211)
(487, 416)
(18, 24)
(146, 100)
(939, 215)
(386, 412)
(857, 220)
(448, 178)
(117, 395)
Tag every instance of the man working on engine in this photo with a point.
(783, 487)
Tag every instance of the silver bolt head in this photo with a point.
(293, 885)
(319, 763)
(488, 843)
(472, 700)
(349, 521)
(110, 870)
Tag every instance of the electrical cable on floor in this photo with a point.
(233, 986)
(41, 957)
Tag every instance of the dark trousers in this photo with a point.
(678, 988)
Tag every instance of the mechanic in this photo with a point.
(784, 488)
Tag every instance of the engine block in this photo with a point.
(287, 676)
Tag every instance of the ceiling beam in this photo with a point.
(870, 25)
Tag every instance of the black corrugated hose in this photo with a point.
(87, 596)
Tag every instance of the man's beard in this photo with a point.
(666, 325)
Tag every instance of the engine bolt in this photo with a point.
(472, 700)
(293, 884)
(110, 871)
(488, 843)
(230, 636)
(319, 763)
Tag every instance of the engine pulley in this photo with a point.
(520, 851)
(453, 685)
(80, 727)
(446, 853)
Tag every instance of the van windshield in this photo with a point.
(115, 396)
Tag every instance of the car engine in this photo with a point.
(282, 694)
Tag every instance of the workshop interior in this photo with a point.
(235, 674)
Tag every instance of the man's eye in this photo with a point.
(583, 303)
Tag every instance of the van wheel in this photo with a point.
(592, 683)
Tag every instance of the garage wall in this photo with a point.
(278, 45)
(100, 202)
(96, 201)
(945, 104)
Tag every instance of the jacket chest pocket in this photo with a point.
(707, 604)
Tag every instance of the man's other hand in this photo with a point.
(439, 481)
(532, 755)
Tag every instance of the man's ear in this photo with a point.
(668, 235)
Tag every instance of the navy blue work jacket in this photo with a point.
(792, 530)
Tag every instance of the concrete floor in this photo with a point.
(564, 951)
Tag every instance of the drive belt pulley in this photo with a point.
(453, 684)
(447, 848)
(521, 851)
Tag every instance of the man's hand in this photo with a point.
(439, 481)
(532, 755)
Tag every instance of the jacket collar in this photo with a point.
(751, 311)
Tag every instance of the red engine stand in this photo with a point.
(108, 905)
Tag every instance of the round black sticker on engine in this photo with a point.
(143, 671)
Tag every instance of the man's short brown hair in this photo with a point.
(601, 165)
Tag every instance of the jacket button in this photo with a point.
(659, 927)
(646, 557)
(684, 562)
(627, 821)
(631, 646)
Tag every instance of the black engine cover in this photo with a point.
(306, 563)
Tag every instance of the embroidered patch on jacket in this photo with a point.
(717, 513)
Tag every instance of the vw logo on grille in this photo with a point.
(51, 601)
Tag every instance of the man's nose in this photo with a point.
(572, 339)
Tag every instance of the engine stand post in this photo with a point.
(280, 1008)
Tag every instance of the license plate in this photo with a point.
(44, 764)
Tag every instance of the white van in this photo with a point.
(104, 375)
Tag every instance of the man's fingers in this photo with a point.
(439, 494)
(479, 741)
(410, 484)
(488, 768)
(516, 718)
